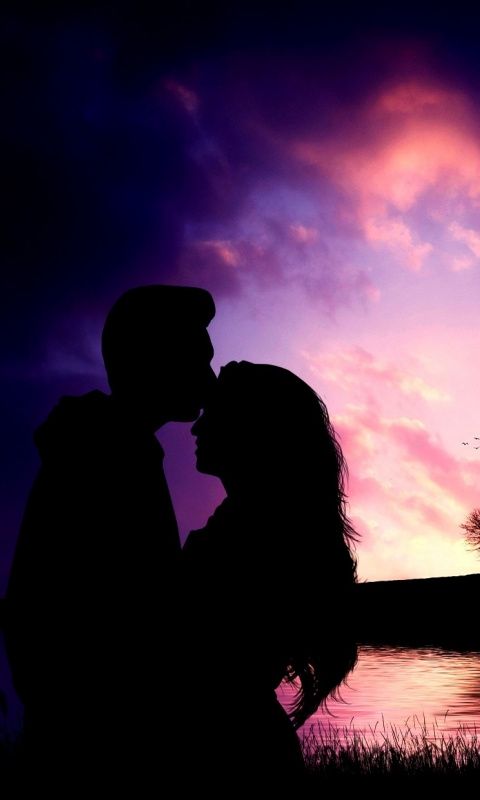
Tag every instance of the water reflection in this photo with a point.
(411, 687)
(397, 686)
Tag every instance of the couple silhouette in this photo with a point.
(144, 665)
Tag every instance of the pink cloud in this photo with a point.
(406, 490)
(356, 366)
(409, 493)
(466, 235)
(271, 250)
(428, 468)
(447, 472)
(434, 517)
(222, 250)
(212, 264)
(303, 234)
(408, 141)
(356, 437)
(396, 235)
(394, 164)
(412, 97)
(462, 263)
(185, 96)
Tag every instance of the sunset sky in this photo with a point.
(321, 178)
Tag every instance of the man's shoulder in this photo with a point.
(74, 424)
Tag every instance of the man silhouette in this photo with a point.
(94, 591)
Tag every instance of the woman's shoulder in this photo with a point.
(212, 535)
(194, 540)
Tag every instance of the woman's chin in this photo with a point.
(200, 464)
(204, 466)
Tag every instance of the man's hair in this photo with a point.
(141, 316)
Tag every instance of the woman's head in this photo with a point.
(265, 424)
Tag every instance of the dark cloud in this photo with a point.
(105, 166)
(133, 141)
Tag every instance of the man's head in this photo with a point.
(157, 351)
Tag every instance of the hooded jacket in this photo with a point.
(92, 592)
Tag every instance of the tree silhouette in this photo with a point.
(471, 526)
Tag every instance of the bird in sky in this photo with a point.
(464, 442)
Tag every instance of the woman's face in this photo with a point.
(243, 434)
(210, 431)
(221, 442)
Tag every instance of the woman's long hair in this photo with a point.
(288, 440)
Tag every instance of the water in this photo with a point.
(390, 686)
(406, 688)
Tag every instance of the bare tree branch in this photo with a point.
(471, 526)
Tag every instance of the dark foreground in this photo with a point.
(383, 758)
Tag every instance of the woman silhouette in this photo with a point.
(270, 576)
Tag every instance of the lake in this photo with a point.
(402, 687)
(390, 686)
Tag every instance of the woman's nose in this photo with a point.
(197, 426)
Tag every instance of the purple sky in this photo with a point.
(321, 178)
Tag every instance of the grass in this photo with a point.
(385, 753)
(416, 750)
